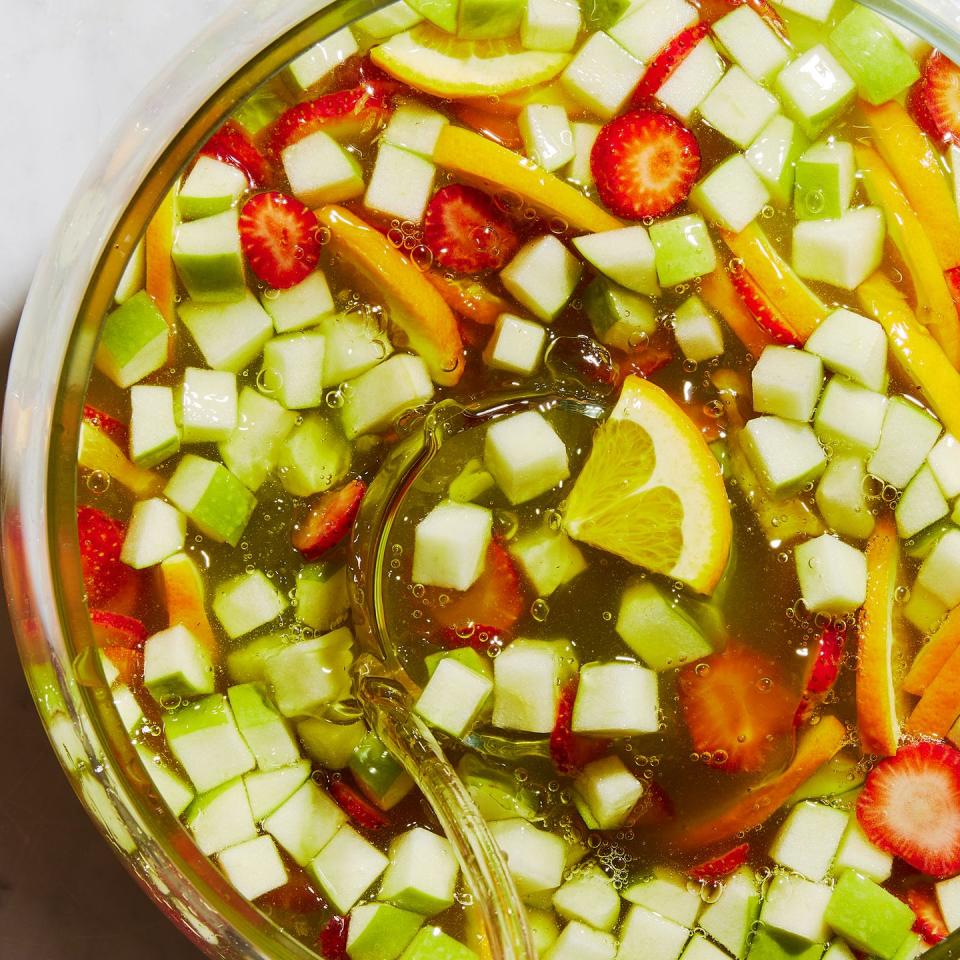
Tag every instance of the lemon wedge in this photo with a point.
(652, 493)
(432, 60)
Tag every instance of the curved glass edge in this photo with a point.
(937, 21)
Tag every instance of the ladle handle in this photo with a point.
(388, 710)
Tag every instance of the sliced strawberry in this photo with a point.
(645, 361)
(929, 923)
(466, 232)
(735, 705)
(129, 663)
(112, 427)
(230, 144)
(117, 629)
(710, 871)
(344, 115)
(935, 99)
(362, 813)
(333, 938)
(101, 539)
(494, 126)
(653, 809)
(377, 82)
(765, 314)
(910, 807)
(644, 163)
(953, 281)
(822, 669)
(297, 895)
(569, 751)
(666, 62)
(328, 519)
(477, 636)
(713, 10)
(496, 598)
(279, 239)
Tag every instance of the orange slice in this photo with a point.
(99, 452)
(185, 600)
(934, 654)
(718, 291)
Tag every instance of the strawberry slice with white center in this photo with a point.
(279, 238)
(644, 163)
(766, 315)
(328, 519)
(935, 99)
(717, 868)
(230, 144)
(666, 62)
(910, 807)
(466, 232)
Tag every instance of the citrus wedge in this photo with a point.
(435, 62)
(652, 493)
(934, 654)
(185, 600)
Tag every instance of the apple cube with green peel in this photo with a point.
(314, 457)
(254, 867)
(752, 43)
(252, 450)
(867, 916)
(698, 332)
(873, 55)
(229, 335)
(330, 743)
(626, 256)
(809, 838)
(244, 603)
(496, 793)
(774, 154)
(832, 574)
(128, 708)
(548, 559)
(590, 897)
(657, 631)
(346, 867)
(221, 817)
(692, 80)
(825, 181)
(784, 454)
(924, 610)
(815, 89)
(422, 873)
(550, 25)
(154, 434)
(730, 919)
(787, 383)
(248, 662)
(577, 941)
(175, 792)
(299, 306)
(602, 75)
(797, 906)
(852, 345)
(620, 318)
(399, 16)
(204, 739)
(731, 195)
(268, 789)
(401, 184)
(176, 665)
(578, 170)
(535, 858)
(308, 69)
(850, 417)
(738, 107)
(667, 893)
(454, 697)
(684, 250)
(320, 171)
(209, 258)
(155, 531)
(516, 345)
(467, 656)
(921, 504)
(131, 280)
(908, 435)
(542, 276)
(525, 455)
(355, 343)
(305, 823)
(610, 791)
(645, 935)
(543, 928)
(940, 571)
(838, 950)
(948, 899)
(212, 186)
(769, 943)
(616, 699)
(646, 31)
(841, 498)
(528, 676)
(134, 341)
(378, 773)
(415, 127)
(858, 853)
(944, 461)
(546, 133)
(380, 931)
(293, 369)
(267, 734)
(322, 601)
(375, 399)
(489, 19)
(206, 405)
(431, 943)
(816, 10)
(450, 545)
(306, 675)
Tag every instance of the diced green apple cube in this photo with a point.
(815, 89)
(212, 186)
(809, 838)
(156, 531)
(940, 571)
(684, 250)
(450, 545)
(209, 259)
(380, 931)
(454, 697)
(577, 941)
(415, 127)
(251, 451)
(868, 917)
(738, 107)
(154, 434)
(535, 858)
(944, 461)
(542, 276)
(248, 662)
(543, 928)
(774, 154)
(769, 943)
(322, 600)
(852, 345)
(254, 867)
(948, 899)
(489, 19)
(321, 59)
(787, 383)
(924, 610)
(921, 504)
(590, 897)
(176, 665)
(731, 195)
(700, 948)
(730, 919)
(832, 574)
(293, 369)
(841, 498)
(784, 454)
(207, 405)
(268, 789)
(842, 252)
(667, 893)
(551, 25)
(850, 417)
(221, 817)
(602, 75)
(620, 318)
(797, 906)
(578, 169)
(299, 306)
(693, 79)
(394, 18)
(314, 457)
(346, 867)
(825, 181)
(626, 256)
(231, 335)
(816, 10)
(374, 400)
(546, 133)
(355, 343)
(133, 342)
(128, 708)
(752, 43)
(516, 345)
(305, 823)
(548, 559)
(267, 733)
(525, 455)
(858, 853)
(528, 675)
(422, 874)
(330, 743)
(378, 773)
(616, 699)
(175, 792)
(610, 791)
(307, 675)
(645, 935)
(401, 184)
(431, 943)
(320, 171)
(876, 59)
(908, 435)
(698, 332)
(131, 280)
(246, 602)
(646, 31)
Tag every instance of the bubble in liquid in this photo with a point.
(558, 225)
(98, 482)
(395, 236)
(767, 212)
(701, 669)
(554, 519)
(607, 615)
(901, 594)
(689, 366)
(422, 258)
(171, 701)
(540, 610)
(418, 590)
(713, 409)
